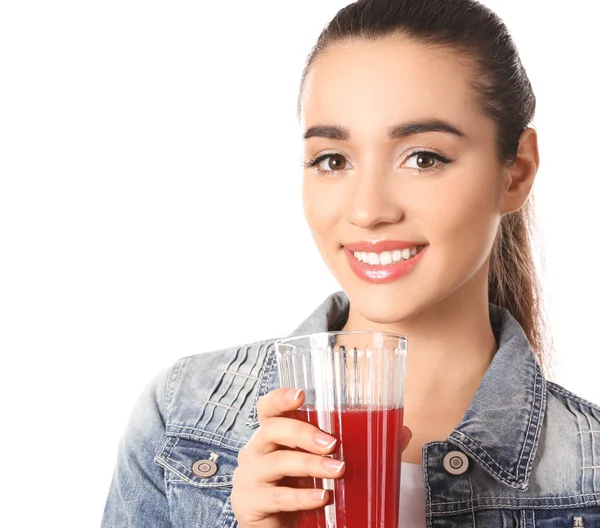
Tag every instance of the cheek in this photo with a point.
(321, 208)
(463, 219)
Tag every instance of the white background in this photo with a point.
(150, 209)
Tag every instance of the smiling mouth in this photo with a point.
(387, 258)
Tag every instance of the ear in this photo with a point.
(520, 175)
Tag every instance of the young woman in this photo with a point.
(418, 168)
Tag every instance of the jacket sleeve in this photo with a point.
(137, 496)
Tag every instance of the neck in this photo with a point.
(450, 347)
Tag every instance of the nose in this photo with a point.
(373, 200)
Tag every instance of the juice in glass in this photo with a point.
(368, 494)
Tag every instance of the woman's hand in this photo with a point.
(259, 497)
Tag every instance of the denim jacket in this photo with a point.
(526, 453)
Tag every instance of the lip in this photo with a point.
(382, 274)
(382, 245)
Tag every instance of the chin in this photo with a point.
(385, 304)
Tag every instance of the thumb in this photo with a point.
(406, 437)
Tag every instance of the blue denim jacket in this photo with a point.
(527, 451)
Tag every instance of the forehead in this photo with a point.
(372, 84)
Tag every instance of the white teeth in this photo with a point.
(386, 257)
(373, 259)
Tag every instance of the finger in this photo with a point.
(280, 464)
(267, 500)
(278, 402)
(291, 433)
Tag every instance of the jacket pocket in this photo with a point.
(196, 463)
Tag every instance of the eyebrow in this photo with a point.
(395, 132)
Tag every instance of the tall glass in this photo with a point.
(354, 387)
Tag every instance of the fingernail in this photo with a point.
(333, 465)
(293, 394)
(317, 495)
(324, 440)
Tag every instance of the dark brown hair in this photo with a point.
(505, 95)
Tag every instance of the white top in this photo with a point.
(412, 496)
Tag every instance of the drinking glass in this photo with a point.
(354, 390)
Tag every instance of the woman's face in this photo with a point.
(407, 156)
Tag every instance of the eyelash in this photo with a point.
(318, 159)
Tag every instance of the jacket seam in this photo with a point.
(553, 387)
(519, 499)
(593, 452)
(471, 501)
(175, 369)
(218, 484)
(426, 464)
(201, 432)
(536, 413)
(173, 378)
(169, 455)
(265, 376)
(173, 461)
(224, 443)
(581, 447)
(513, 507)
(532, 413)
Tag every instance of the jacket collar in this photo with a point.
(501, 427)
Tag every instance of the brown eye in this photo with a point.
(334, 162)
(425, 161)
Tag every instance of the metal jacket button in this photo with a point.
(204, 468)
(456, 463)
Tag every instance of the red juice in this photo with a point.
(368, 494)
